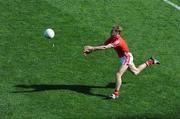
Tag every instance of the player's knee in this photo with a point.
(135, 73)
(118, 74)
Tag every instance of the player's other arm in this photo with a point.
(89, 49)
(100, 47)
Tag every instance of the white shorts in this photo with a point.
(127, 59)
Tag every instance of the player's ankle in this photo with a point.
(116, 92)
(149, 62)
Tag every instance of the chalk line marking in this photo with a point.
(172, 4)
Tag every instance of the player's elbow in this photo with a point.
(107, 46)
(103, 47)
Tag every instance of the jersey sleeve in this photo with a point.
(115, 43)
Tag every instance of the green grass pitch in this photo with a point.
(39, 81)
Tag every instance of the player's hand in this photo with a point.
(87, 50)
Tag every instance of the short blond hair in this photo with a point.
(117, 28)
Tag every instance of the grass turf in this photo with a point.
(39, 81)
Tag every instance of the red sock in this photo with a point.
(149, 62)
(116, 92)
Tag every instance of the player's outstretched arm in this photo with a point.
(90, 49)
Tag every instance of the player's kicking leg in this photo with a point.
(136, 70)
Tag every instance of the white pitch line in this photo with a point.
(172, 4)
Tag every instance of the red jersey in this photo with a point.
(118, 44)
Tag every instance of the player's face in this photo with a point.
(114, 33)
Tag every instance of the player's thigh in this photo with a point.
(133, 68)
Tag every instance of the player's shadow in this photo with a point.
(85, 89)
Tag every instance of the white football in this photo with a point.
(49, 33)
